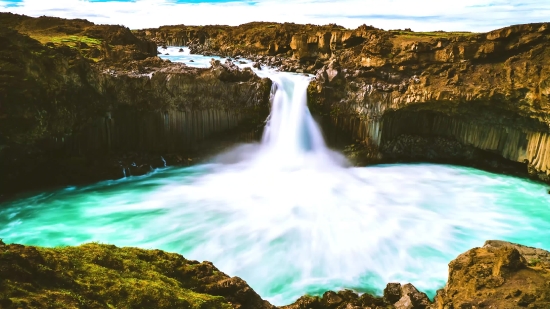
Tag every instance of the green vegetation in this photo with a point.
(81, 43)
(73, 39)
(534, 262)
(103, 276)
(437, 34)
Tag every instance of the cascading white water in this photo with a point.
(291, 129)
(288, 218)
(291, 136)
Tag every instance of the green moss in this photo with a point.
(60, 39)
(95, 275)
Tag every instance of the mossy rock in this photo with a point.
(104, 276)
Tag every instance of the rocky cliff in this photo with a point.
(82, 102)
(497, 275)
(471, 98)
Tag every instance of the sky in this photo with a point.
(419, 15)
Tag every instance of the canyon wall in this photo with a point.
(463, 99)
(169, 110)
(68, 117)
(471, 98)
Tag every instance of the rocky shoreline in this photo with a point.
(498, 275)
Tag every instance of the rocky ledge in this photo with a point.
(81, 102)
(498, 275)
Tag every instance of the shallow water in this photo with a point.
(289, 217)
(194, 60)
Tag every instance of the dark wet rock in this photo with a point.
(392, 292)
(180, 50)
(94, 53)
(331, 299)
(139, 170)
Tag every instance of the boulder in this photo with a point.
(496, 275)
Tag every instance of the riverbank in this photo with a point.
(498, 275)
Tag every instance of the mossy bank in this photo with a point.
(497, 275)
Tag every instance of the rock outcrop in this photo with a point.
(69, 118)
(498, 275)
(447, 98)
(104, 276)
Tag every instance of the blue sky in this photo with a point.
(420, 15)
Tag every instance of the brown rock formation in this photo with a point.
(471, 98)
(259, 38)
(67, 118)
(498, 275)
(413, 96)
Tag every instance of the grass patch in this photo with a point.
(69, 40)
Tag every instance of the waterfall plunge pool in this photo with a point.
(288, 232)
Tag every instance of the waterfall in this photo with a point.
(291, 136)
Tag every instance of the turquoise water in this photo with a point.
(293, 231)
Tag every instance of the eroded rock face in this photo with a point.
(497, 275)
(406, 96)
(68, 119)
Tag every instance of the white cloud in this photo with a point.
(420, 15)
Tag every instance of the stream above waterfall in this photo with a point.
(289, 216)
